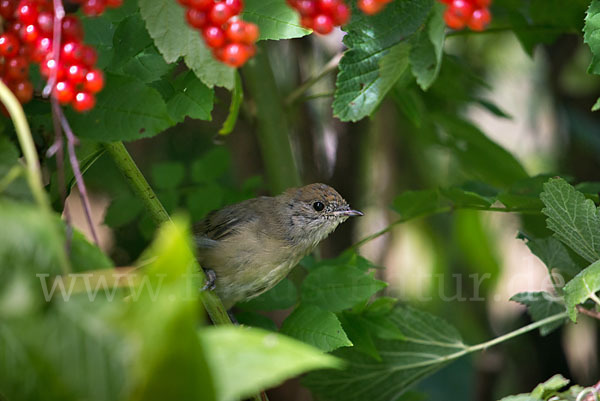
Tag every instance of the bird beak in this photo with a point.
(348, 213)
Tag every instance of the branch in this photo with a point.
(588, 312)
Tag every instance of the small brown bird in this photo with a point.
(247, 248)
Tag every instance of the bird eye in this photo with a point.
(318, 206)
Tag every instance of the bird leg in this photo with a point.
(211, 278)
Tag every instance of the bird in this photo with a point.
(248, 247)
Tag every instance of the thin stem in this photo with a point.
(595, 298)
(34, 173)
(137, 182)
(591, 313)
(71, 141)
(438, 211)
(329, 67)
(59, 14)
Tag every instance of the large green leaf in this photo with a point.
(316, 327)
(12, 174)
(427, 48)
(245, 361)
(591, 35)
(574, 219)
(541, 305)
(173, 37)
(556, 256)
(582, 287)
(365, 76)
(284, 295)
(275, 19)
(191, 99)
(335, 288)
(429, 344)
(126, 110)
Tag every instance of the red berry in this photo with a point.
(83, 101)
(462, 9)
(235, 31)
(479, 19)
(251, 33)
(45, 21)
(214, 36)
(93, 7)
(307, 8)
(71, 28)
(9, 45)
(370, 7)
(76, 73)
(14, 26)
(17, 68)
(328, 6)
(7, 8)
(88, 56)
(196, 18)
(94, 81)
(185, 3)
(341, 15)
(235, 54)
(114, 3)
(452, 20)
(220, 13)
(323, 24)
(201, 5)
(29, 33)
(236, 6)
(23, 91)
(42, 47)
(64, 92)
(72, 52)
(307, 21)
(27, 12)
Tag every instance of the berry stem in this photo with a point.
(59, 14)
(71, 141)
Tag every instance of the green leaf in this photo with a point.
(366, 75)
(429, 344)
(555, 255)
(591, 36)
(254, 319)
(85, 256)
(166, 25)
(129, 40)
(541, 305)
(192, 99)
(245, 361)
(211, 165)
(284, 295)
(316, 327)
(13, 181)
(549, 387)
(359, 334)
(335, 288)
(204, 199)
(120, 114)
(122, 211)
(427, 48)
(574, 219)
(596, 105)
(275, 19)
(148, 66)
(582, 287)
(412, 204)
(168, 175)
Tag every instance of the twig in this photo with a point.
(71, 141)
(329, 67)
(59, 14)
(588, 312)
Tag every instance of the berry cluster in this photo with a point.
(472, 13)
(321, 15)
(371, 7)
(28, 36)
(93, 8)
(231, 39)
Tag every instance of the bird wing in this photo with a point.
(220, 224)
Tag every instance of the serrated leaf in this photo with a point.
(574, 219)
(417, 203)
(359, 335)
(245, 361)
(427, 48)
(582, 287)
(549, 387)
(316, 327)
(166, 25)
(192, 99)
(541, 305)
(129, 40)
(555, 255)
(147, 66)
(591, 36)
(365, 77)
(275, 19)
(126, 110)
(335, 288)
(430, 343)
